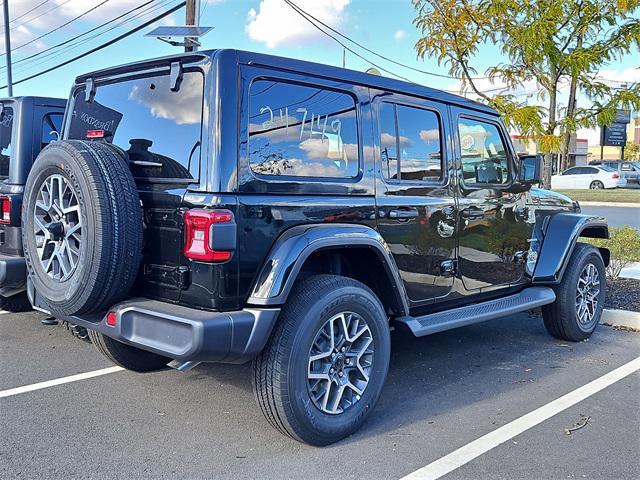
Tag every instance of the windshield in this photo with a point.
(6, 147)
(160, 129)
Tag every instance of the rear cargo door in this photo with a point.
(157, 122)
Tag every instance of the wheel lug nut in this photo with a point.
(333, 355)
(332, 370)
(348, 361)
(340, 373)
(343, 349)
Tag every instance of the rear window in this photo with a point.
(606, 168)
(51, 128)
(6, 147)
(158, 128)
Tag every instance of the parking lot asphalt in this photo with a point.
(443, 391)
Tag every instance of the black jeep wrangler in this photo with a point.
(27, 125)
(227, 206)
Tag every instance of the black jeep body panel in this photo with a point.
(35, 122)
(423, 246)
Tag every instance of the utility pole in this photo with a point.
(192, 17)
(7, 46)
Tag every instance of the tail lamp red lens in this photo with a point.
(198, 238)
(112, 319)
(615, 176)
(5, 206)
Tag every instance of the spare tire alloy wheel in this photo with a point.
(340, 363)
(57, 226)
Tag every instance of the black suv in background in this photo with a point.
(227, 206)
(27, 125)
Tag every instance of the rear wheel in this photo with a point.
(324, 367)
(596, 185)
(126, 356)
(579, 298)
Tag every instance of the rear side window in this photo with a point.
(6, 148)
(51, 128)
(302, 131)
(410, 143)
(483, 153)
(160, 129)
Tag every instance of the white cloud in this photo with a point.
(400, 35)
(275, 23)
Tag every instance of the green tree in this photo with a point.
(545, 41)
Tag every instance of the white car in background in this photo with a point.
(588, 177)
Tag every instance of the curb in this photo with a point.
(610, 204)
(621, 318)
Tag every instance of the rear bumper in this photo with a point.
(13, 274)
(186, 334)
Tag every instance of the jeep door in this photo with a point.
(414, 199)
(495, 227)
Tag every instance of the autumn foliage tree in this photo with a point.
(554, 43)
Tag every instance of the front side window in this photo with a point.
(410, 143)
(484, 155)
(302, 131)
(6, 148)
(159, 129)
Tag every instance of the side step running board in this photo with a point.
(458, 317)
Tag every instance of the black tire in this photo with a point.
(596, 185)
(126, 356)
(560, 317)
(15, 303)
(112, 227)
(280, 372)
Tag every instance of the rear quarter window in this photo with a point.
(302, 131)
(159, 129)
(6, 135)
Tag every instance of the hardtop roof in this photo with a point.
(294, 65)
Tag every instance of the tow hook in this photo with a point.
(183, 366)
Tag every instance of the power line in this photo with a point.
(52, 55)
(104, 45)
(30, 10)
(42, 52)
(42, 14)
(58, 28)
(439, 75)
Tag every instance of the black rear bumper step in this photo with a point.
(480, 312)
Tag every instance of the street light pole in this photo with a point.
(7, 46)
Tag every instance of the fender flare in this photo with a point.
(561, 235)
(289, 252)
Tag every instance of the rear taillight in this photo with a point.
(200, 225)
(5, 204)
(615, 176)
(111, 319)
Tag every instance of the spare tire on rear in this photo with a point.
(83, 227)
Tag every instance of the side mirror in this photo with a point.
(530, 169)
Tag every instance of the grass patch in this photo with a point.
(613, 195)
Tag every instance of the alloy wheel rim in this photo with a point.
(340, 363)
(57, 226)
(587, 293)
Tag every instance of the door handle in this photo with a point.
(403, 213)
(472, 213)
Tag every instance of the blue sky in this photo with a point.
(259, 25)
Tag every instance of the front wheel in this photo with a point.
(324, 367)
(579, 298)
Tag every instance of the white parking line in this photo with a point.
(58, 381)
(472, 450)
